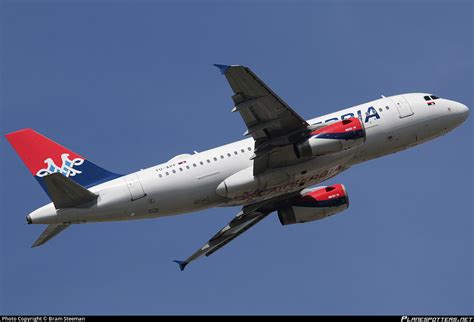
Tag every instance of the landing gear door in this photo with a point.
(135, 187)
(403, 107)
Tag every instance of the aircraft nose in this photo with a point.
(463, 111)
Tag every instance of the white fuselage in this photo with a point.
(189, 183)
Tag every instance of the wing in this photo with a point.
(243, 221)
(270, 121)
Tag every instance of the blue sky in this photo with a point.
(130, 84)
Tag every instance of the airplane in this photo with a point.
(274, 169)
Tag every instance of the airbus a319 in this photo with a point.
(274, 170)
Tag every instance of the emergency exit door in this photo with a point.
(134, 186)
(403, 107)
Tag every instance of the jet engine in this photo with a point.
(314, 204)
(332, 138)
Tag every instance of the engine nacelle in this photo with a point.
(333, 138)
(315, 204)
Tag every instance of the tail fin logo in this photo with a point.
(66, 169)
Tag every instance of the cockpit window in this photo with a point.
(427, 98)
(434, 97)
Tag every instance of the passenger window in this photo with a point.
(215, 159)
(180, 169)
(249, 148)
(208, 161)
(380, 109)
(174, 171)
(167, 173)
(222, 157)
(187, 167)
(235, 152)
(194, 164)
(228, 154)
(160, 175)
(387, 108)
(242, 150)
(201, 163)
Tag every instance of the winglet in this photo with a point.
(222, 68)
(182, 264)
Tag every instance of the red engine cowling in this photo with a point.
(315, 204)
(335, 137)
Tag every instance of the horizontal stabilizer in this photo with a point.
(50, 232)
(66, 193)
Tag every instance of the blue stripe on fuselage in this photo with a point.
(352, 135)
(371, 112)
